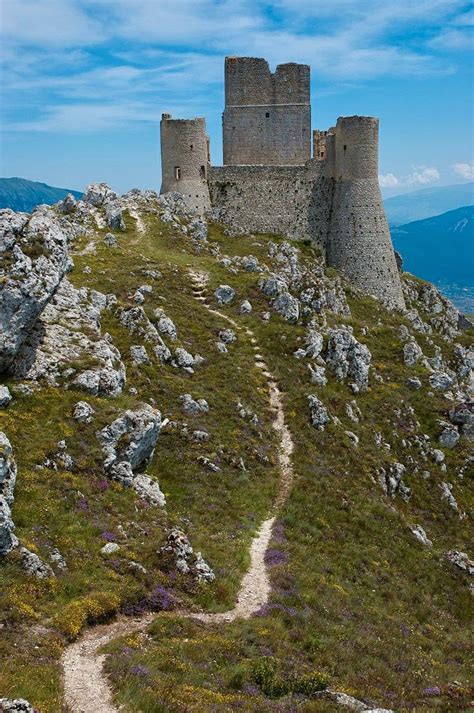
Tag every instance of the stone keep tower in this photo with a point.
(267, 117)
(185, 160)
(359, 243)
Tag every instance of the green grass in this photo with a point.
(356, 600)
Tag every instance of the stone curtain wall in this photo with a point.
(185, 160)
(294, 201)
(267, 117)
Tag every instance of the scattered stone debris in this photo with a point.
(347, 358)
(391, 480)
(5, 396)
(178, 545)
(318, 413)
(8, 474)
(83, 412)
(192, 407)
(224, 294)
(421, 536)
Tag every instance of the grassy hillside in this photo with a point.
(356, 599)
(23, 195)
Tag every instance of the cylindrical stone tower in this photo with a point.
(359, 243)
(185, 160)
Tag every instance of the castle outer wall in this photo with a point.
(270, 183)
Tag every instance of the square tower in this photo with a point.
(267, 117)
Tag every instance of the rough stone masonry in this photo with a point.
(270, 183)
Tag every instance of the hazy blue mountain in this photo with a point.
(427, 203)
(21, 194)
(441, 250)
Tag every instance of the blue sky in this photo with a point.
(84, 82)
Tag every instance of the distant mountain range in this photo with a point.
(23, 195)
(427, 203)
(441, 250)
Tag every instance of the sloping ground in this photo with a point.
(357, 600)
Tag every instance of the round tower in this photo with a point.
(185, 160)
(359, 243)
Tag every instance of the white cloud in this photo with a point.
(465, 170)
(388, 180)
(421, 175)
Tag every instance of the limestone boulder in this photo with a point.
(34, 258)
(318, 413)
(348, 358)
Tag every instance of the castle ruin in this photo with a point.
(270, 183)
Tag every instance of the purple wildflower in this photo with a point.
(161, 598)
(140, 670)
(432, 691)
(108, 536)
(275, 557)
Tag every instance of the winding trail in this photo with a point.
(86, 687)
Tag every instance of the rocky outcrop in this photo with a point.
(347, 358)
(318, 413)
(8, 473)
(128, 444)
(33, 260)
(137, 323)
(67, 334)
(186, 560)
(16, 705)
(462, 415)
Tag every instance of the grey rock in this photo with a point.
(421, 536)
(57, 558)
(437, 455)
(167, 326)
(110, 240)
(8, 469)
(399, 261)
(183, 358)
(250, 263)
(131, 437)
(139, 355)
(462, 415)
(7, 537)
(33, 565)
(67, 205)
(224, 294)
(441, 381)
(83, 412)
(200, 436)
(33, 260)
(227, 336)
(198, 229)
(245, 307)
(288, 306)
(221, 347)
(449, 437)
(137, 323)
(462, 561)
(414, 383)
(273, 286)
(446, 494)
(318, 375)
(391, 480)
(178, 545)
(148, 489)
(314, 344)
(16, 705)
(346, 357)
(110, 548)
(5, 396)
(192, 407)
(99, 194)
(412, 352)
(318, 414)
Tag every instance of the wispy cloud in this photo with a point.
(420, 176)
(464, 170)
